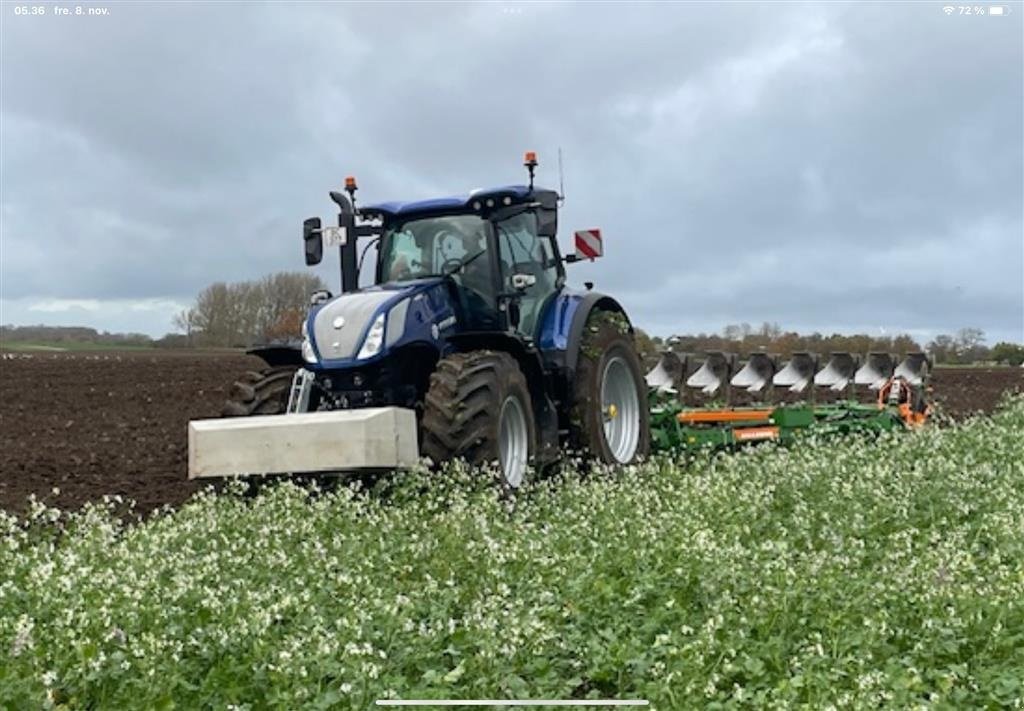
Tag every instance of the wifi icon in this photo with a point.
(948, 9)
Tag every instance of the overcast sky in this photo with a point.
(832, 167)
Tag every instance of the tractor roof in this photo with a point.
(517, 193)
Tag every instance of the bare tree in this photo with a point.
(943, 349)
(970, 344)
(184, 320)
(247, 312)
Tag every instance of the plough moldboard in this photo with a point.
(692, 396)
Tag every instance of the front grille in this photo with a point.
(342, 390)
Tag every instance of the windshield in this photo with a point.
(431, 246)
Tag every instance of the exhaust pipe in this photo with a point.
(838, 372)
(797, 373)
(877, 369)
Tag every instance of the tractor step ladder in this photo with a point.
(298, 396)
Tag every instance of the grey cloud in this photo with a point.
(813, 164)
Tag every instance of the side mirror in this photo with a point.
(313, 240)
(547, 222)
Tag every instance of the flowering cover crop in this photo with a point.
(875, 574)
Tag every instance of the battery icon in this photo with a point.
(996, 10)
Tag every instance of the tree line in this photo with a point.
(964, 347)
(240, 314)
(71, 335)
(224, 315)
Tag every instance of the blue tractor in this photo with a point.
(469, 325)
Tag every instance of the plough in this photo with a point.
(897, 397)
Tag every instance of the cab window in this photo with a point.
(456, 245)
(523, 252)
(404, 258)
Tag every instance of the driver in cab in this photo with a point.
(475, 273)
(459, 250)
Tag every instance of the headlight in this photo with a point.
(307, 351)
(374, 339)
(307, 348)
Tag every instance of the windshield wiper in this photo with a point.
(458, 267)
(463, 264)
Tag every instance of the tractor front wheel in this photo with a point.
(610, 421)
(478, 409)
(260, 393)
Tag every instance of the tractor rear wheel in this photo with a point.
(610, 420)
(260, 393)
(478, 408)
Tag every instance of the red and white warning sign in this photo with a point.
(588, 244)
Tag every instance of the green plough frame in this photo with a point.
(674, 427)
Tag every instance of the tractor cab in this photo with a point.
(497, 248)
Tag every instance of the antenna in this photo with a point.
(561, 178)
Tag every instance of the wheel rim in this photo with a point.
(620, 409)
(513, 441)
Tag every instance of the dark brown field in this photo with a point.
(105, 423)
(115, 423)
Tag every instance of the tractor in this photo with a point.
(467, 344)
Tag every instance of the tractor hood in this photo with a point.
(363, 325)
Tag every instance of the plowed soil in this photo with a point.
(100, 424)
(961, 392)
(108, 423)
